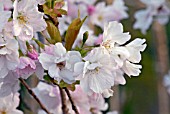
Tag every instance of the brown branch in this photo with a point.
(33, 95)
(63, 101)
(71, 100)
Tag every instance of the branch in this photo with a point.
(33, 95)
(71, 100)
(63, 101)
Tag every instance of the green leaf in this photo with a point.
(73, 31)
(85, 37)
(53, 32)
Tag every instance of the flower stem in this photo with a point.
(71, 100)
(33, 95)
(63, 101)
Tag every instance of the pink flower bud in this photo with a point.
(91, 9)
(32, 53)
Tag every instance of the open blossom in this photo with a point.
(124, 56)
(156, 10)
(9, 104)
(56, 60)
(95, 72)
(5, 15)
(9, 56)
(113, 36)
(27, 19)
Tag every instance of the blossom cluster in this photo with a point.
(90, 64)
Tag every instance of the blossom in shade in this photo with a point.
(9, 104)
(27, 19)
(101, 14)
(156, 10)
(9, 84)
(81, 100)
(48, 95)
(118, 10)
(97, 104)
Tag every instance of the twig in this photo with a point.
(63, 101)
(71, 100)
(33, 94)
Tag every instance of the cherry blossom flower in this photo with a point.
(27, 19)
(113, 36)
(9, 104)
(95, 74)
(124, 56)
(56, 60)
(156, 10)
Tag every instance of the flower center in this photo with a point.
(22, 19)
(100, 17)
(61, 65)
(106, 44)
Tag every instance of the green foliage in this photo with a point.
(73, 31)
(53, 32)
